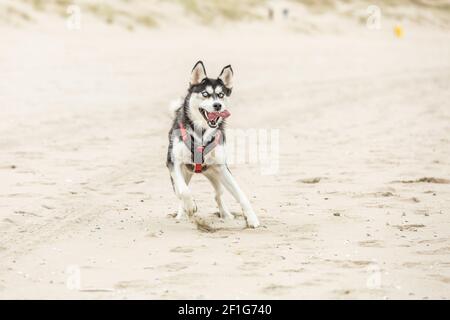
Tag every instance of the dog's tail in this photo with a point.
(174, 106)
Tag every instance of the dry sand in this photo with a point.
(84, 191)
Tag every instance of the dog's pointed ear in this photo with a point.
(227, 76)
(198, 73)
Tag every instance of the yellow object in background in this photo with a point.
(398, 31)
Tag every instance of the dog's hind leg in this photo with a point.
(187, 178)
(223, 210)
(231, 185)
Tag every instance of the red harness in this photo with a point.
(198, 150)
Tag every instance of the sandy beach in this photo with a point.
(357, 209)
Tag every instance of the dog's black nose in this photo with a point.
(217, 106)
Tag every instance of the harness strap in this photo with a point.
(183, 132)
(198, 151)
(198, 168)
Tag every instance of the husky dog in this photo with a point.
(197, 143)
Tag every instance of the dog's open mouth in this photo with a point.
(212, 118)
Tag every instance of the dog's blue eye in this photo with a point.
(221, 95)
(205, 94)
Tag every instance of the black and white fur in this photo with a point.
(204, 95)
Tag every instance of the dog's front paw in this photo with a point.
(189, 205)
(252, 220)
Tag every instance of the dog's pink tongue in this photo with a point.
(225, 114)
(215, 115)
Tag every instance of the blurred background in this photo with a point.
(300, 15)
